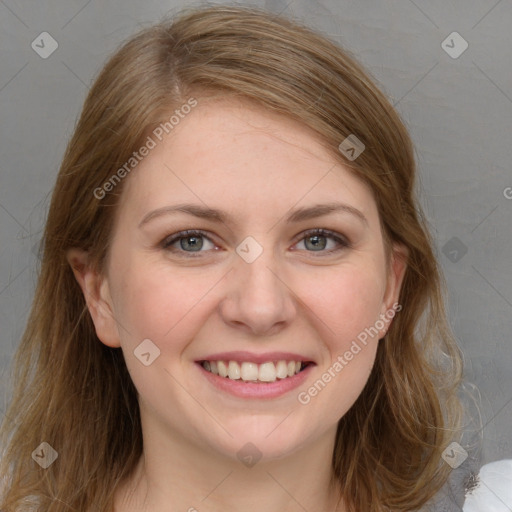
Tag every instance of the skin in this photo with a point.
(257, 167)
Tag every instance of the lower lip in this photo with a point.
(244, 389)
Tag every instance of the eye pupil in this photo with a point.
(193, 242)
(319, 242)
(196, 244)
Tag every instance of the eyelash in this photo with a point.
(170, 240)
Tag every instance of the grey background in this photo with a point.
(458, 110)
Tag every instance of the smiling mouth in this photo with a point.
(246, 371)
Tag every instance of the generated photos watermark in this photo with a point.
(151, 142)
(45, 455)
(304, 397)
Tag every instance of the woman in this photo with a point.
(239, 306)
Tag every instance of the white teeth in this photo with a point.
(248, 371)
(223, 369)
(281, 370)
(233, 370)
(267, 372)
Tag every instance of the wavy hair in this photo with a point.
(75, 393)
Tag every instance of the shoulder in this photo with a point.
(492, 491)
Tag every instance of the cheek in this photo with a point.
(347, 301)
(346, 305)
(151, 301)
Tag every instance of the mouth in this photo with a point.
(252, 375)
(252, 372)
(255, 376)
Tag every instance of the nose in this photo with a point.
(258, 299)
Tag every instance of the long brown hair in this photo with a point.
(74, 393)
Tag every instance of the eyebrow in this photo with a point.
(298, 215)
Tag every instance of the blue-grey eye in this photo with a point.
(318, 242)
(191, 242)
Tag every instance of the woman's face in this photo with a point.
(257, 288)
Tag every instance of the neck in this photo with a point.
(174, 474)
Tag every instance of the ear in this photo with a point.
(97, 297)
(396, 273)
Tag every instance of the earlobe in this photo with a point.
(398, 268)
(396, 273)
(97, 296)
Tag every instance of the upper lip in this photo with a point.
(244, 356)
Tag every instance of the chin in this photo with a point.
(267, 439)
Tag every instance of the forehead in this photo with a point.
(236, 154)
